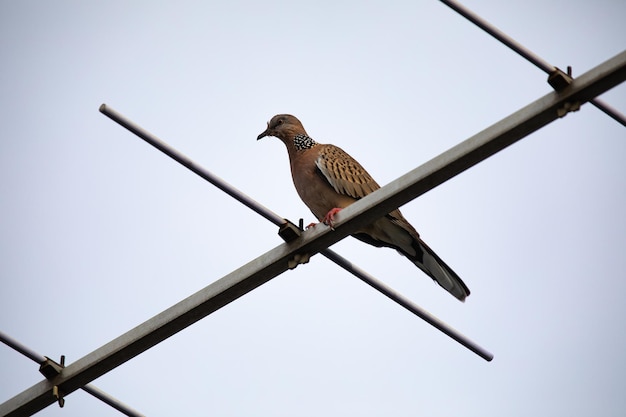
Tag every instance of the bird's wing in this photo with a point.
(344, 173)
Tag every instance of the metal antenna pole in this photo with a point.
(524, 52)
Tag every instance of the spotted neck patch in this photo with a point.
(302, 142)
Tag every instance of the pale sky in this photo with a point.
(100, 232)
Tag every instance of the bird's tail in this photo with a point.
(395, 232)
(438, 270)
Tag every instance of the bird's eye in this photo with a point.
(275, 123)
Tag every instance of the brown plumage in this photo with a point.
(328, 179)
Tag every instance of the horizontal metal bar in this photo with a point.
(312, 241)
(339, 260)
(524, 52)
(91, 389)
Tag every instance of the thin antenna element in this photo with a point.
(524, 52)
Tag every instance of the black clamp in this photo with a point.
(289, 232)
(560, 80)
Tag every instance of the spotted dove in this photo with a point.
(328, 179)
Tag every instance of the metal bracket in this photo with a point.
(559, 80)
(289, 232)
(568, 107)
(50, 369)
(298, 259)
(58, 395)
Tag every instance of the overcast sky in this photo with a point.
(99, 232)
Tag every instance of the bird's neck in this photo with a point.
(302, 142)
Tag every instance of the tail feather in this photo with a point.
(438, 270)
(395, 232)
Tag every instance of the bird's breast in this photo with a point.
(313, 188)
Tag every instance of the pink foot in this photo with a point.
(330, 216)
(311, 225)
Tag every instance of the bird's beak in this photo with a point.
(262, 135)
(265, 133)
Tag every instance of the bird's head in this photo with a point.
(283, 126)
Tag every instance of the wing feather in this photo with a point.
(344, 173)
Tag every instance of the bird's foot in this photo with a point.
(311, 225)
(330, 217)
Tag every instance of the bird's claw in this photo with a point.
(330, 217)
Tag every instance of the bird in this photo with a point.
(327, 180)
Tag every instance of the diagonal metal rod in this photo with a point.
(187, 162)
(269, 265)
(524, 52)
(89, 388)
(106, 398)
(499, 35)
(279, 221)
(24, 350)
(406, 303)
